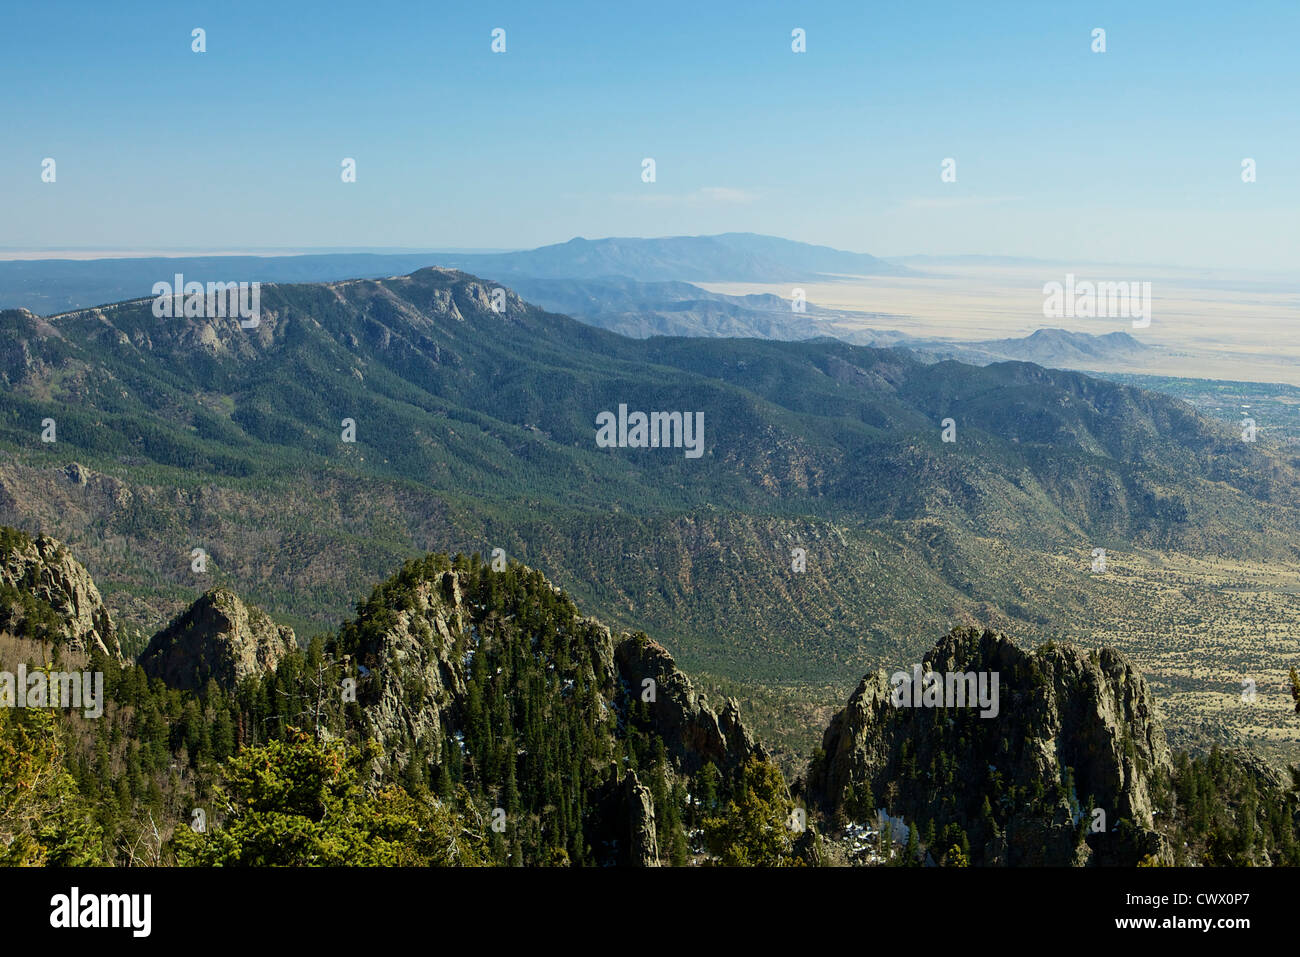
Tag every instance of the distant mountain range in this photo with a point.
(729, 257)
(477, 430)
(51, 286)
(635, 287)
(642, 309)
(1055, 348)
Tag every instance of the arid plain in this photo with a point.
(1206, 324)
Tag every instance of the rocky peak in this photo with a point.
(693, 733)
(1074, 732)
(445, 646)
(218, 638)
(45, 591)
(415, 639)
(406, 653)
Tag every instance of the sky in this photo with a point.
(1132, 155)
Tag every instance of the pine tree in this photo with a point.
(912, 854)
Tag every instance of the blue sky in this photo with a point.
(1131, 155)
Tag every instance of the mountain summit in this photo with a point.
(728, 257)
(57, 285)
(1063, 773)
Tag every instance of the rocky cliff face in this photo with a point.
(692, 732)
(642, 842)
(45, 592)
(625, 823)
(414, 668)
(441, 652)
(218, 638)
(411, 676)
(1062, 774)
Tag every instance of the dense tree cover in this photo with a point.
(538, 744)
(282, 774)
(539, 735)
(24, 615)
(123, 788)
(475, 429)
(298, 802)
(43, 817)
(1224, 815)
(951, 768)
(945, 779)
(754, 828)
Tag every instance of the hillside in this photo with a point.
(642, 309)
(472, 715)
(469, 695)
(1065, 733)
(990, 754)
(475, 430)
(1054, 348)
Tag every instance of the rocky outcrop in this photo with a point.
(1075, 740)
(639, 812)
(463, 670)
(217, 638)
(692, 732)
(413, 655)
(411, 678)
(46, 593)
(621, 828)
(413, 646)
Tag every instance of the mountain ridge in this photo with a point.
(475, 430)
(54, 286)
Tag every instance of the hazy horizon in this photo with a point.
(73, 252)
(1133, 154)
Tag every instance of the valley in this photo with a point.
(477, 430)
